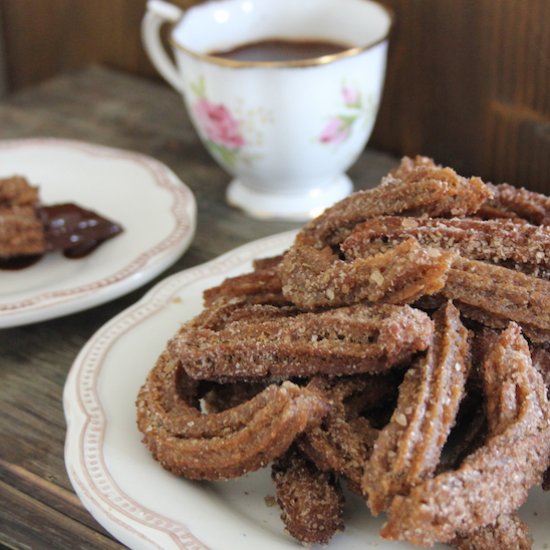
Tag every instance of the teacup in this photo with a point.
(286, 128)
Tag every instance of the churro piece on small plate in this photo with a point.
(21, 232)
(17, 191)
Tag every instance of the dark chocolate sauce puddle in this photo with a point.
(70, 228)
(75, 230)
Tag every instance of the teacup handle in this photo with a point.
(158, 13)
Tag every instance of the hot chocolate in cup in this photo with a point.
(283, 93)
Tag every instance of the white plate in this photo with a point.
(156, 210)
(129, 493)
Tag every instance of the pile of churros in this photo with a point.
(400, 347)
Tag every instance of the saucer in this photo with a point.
(156, 210)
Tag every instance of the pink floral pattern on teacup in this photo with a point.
(335, 131)
(339, 127)
(218, 124)
(220, 128)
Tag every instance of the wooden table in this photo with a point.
(38, 508)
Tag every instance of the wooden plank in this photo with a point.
(47, 492)
(3, 79)
(48, 37)
(28, 523)
(468, 84)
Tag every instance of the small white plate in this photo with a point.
(156, 210)
(129, 493)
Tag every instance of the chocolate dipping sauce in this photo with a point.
(69, 228)
(75, 230)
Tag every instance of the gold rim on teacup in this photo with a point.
(310, 62)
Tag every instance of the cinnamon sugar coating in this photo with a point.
(408, 449)
(500, 292)
(489, 319)
(517, 202)
(541, 361)
(312, 273)
(400, 275)
(311, 501)
(345, 340)
(220, 397)
(417, 187)
(495, 479)
(523, 247)
(508, 532)
(219, 445)
(343, 441)
(260, 286)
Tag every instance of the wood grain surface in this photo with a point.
(38, 508)
(469, 84)
(468, 81)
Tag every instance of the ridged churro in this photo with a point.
(399, 347)
(345, 340)
(311, 501)
(408, 449)
(219, 445)
(523, 247)
(495, 478)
